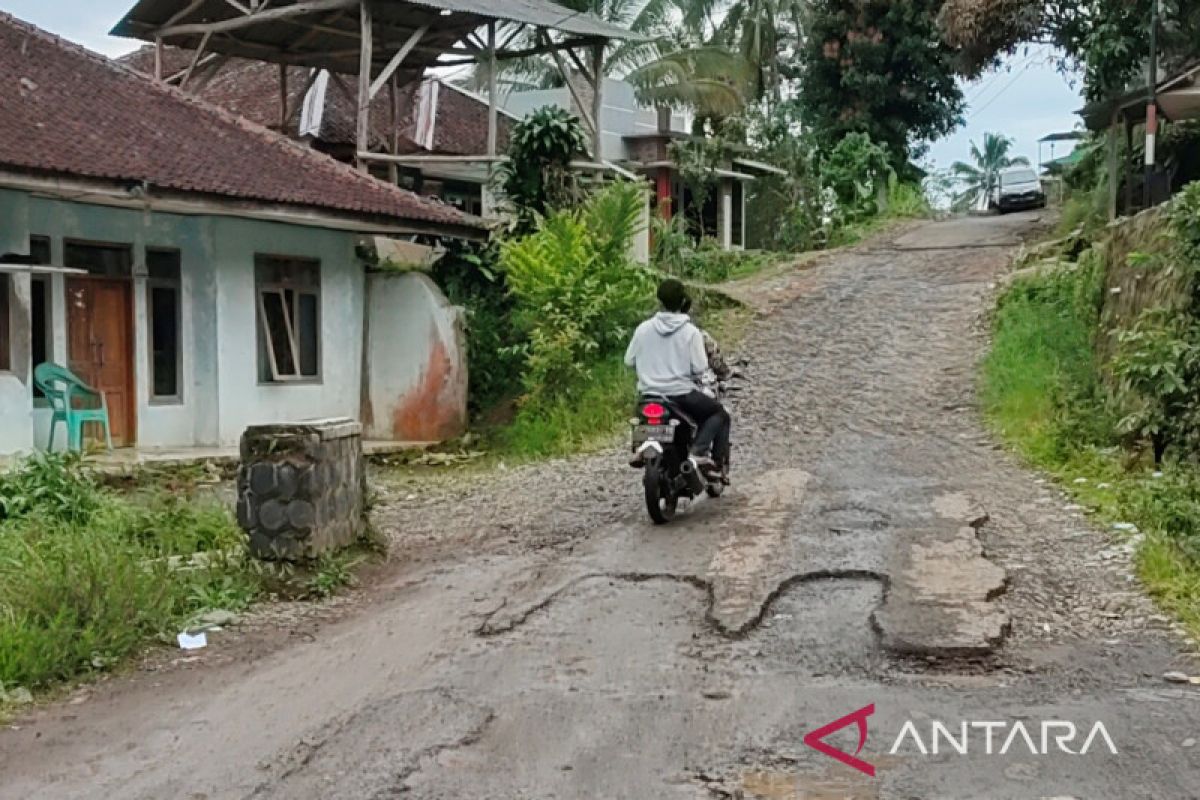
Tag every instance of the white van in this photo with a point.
(1017, 188)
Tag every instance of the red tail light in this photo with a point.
(654, 412)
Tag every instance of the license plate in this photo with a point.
(653, 433)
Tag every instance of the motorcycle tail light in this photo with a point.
(654, 412)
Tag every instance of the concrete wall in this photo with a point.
(16, 386)
(243, 399)
(416, 361)
(221, 393)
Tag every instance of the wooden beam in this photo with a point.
(584, 114)
(192, 6)
(195, 60)
(512, 36)
(208, 71)
(597, 101)
(394, 120)
(238, 6)
(397, 59)
(583, 70)
(547, 46)
(283, 98)
(386, 158)
(491, 65)
(158, 58)
(202, 64)
(363, 139)
(234, 23)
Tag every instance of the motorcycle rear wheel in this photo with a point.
(661, 503)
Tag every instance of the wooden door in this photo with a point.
(100, 346)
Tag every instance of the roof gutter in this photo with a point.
(114, 194)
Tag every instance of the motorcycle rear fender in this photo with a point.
(650, 449)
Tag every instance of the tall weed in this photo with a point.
(87, 576)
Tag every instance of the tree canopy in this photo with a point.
(1108, 39)
(879, 68)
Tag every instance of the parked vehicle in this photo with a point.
(1017, 188)
(662, 440)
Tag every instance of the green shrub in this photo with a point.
(577, 294)
(51, 485)
(1040, 379)
(577, 417)
(537, 178)
(1158, 360)
(472, 279)
(907, 200)
(857, 171)
(87, 576)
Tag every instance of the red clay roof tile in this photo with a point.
(69, 111)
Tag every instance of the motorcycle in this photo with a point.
(662, 440)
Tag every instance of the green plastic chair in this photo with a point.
(62, 388)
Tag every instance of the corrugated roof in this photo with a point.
(68, 111)
(329, 37)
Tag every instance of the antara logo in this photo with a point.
(998, 738)
(816, 739)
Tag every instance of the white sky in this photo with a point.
(1025, 100)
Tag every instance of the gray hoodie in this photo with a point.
(667, 351)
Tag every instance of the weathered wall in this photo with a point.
(243, 399)
(417, 363)
(217, 321)
(16, 392)
(191, 419)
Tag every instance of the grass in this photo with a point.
(1040, 391)
(90, 575)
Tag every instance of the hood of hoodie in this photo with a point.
(666, 323)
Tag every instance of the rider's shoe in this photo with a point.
(638, 461)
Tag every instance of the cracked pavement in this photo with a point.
(536, 637)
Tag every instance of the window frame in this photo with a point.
(6, 339)
(175, 284)
(280, 288)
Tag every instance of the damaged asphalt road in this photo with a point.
(538, 638)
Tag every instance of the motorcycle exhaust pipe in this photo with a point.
(693, 477)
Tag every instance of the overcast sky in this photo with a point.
(1026, 99)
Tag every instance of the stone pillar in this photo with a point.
(725, 214)
(301, 487)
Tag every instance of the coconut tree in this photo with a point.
(977, 180)
(675, 63)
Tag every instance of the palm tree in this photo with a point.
(978, 179)
(673, 66)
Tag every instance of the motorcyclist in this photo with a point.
(669, 354)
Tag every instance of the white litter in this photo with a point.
(190, 642)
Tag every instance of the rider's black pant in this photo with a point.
(713, 420)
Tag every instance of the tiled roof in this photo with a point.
(69, 111)
(251, 89)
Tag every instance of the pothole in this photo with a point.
(850, 517)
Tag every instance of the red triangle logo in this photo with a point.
(815, 739)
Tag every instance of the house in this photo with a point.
(204, 272)
(638, 139)
(432, 117)
(1176, 99)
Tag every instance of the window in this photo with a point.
(39, 316)
(288, 295)
(101, 260)
(163, 295)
